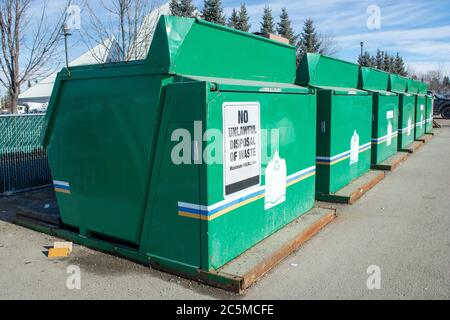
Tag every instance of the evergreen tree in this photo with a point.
(284, 27)
(386, 61)
(379, 61)
(391, 64)
(361, 60)
(213, 12)
(244, 19)
(309, 40)
(373, 61)
(267, 23)
(175, 8)
(233, 20)
(446, 82)
(399, 65)
(187, 9)
(365, 60)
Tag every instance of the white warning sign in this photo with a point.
(242, 146)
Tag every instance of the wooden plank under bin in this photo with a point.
(413, 147)
(260, 259)
(355, 189)
(391, 163)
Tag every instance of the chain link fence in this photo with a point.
(23, 161)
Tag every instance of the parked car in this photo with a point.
(441, 106)
(40, 110)
(22, 109)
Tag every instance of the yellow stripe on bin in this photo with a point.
(62, 190)
(236, 206)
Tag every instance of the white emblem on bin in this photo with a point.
(354, 148)
(389, 134)
(276, 177)
(410, 125)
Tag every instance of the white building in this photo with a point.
(145, 37)
(38, 96)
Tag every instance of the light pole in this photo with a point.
(362, 48)
(66, 34)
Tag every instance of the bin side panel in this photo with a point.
(99, 149)
(420, 116)
(351, 118)
(407, 116)
(384, 127)
(289, 124)
(429, 115)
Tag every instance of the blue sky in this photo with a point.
(419, 30)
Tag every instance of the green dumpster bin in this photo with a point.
(344, 121)
(423, 89)
(413, 88)
(190, 157)
(407, 111)
(385, 113)
(430, 114)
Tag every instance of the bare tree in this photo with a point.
(329, 45)
(127, 21)
(28, 47)
(411, 72)
(434, 78)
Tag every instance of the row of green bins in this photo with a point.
(413, 88)
(385, 106)
(344, 121)
(423, 89)
(139, 160)
(407, 111)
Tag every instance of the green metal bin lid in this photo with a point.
(195, 47)
(328, 73)
(226, 84)
(397, 83)
(343, 91)
(374, 80)
(423, 88)
(413, 86)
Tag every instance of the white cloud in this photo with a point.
(421, 67)
(418, 34)
(418, 29)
